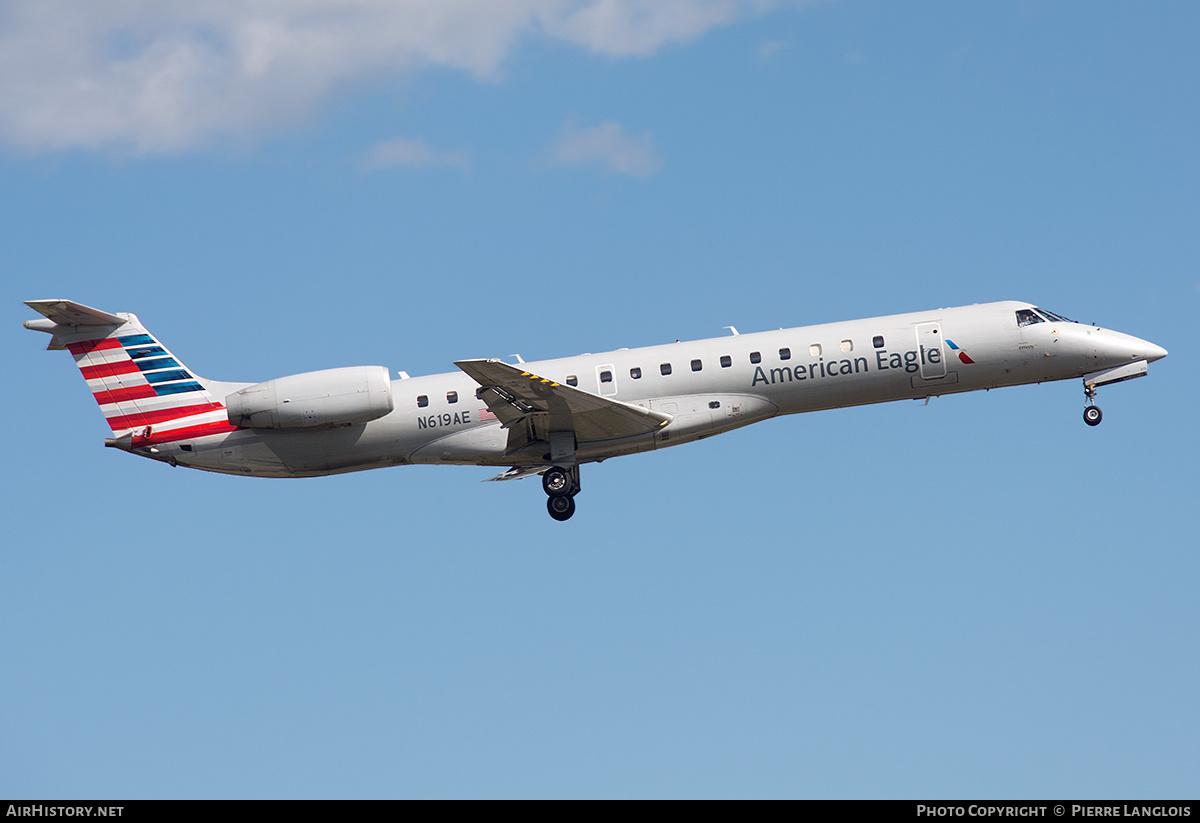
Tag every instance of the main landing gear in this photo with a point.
(1091, 412)
(561, 484)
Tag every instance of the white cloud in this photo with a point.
(153, 76)
(640, 27)
(412, 153)
(609, 145)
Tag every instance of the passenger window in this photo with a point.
(605, 377)
(847, 345)
(635, 373)
(451, 397)
(877, 341)
(785, 354)
(697, 365)
(572, 380)
(755, 357)
(726, 361)
(814, 350)
(1027, 318)
(665, 368)
(422, 401)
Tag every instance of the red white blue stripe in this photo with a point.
(141, 387)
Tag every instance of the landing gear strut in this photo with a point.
(1091, 412)
(561, 484)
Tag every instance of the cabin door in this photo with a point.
(930, 350)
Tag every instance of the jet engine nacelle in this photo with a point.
(333, 397)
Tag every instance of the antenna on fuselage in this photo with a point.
(732, 329)
(519, 359)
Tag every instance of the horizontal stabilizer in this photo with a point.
(68, 313)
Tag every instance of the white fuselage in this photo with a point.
(706, 386)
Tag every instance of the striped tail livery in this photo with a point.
(147, 396)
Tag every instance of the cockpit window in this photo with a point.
(1054, 318)
(1025, 317)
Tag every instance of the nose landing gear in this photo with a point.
(561, 485)
(1091, 412)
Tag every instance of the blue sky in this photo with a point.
(982, 597)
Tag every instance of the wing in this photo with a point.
(530, 407)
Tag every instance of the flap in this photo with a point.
(517, 472)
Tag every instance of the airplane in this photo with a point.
(549, 417)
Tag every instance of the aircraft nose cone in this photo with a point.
(1154, 352)
(1125, 348)
(1145, 350)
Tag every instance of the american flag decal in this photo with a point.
(486, 416)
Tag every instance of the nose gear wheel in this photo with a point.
(1091, 412)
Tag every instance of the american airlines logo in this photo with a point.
(962, 355)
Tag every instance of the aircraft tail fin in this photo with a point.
(142, 389)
